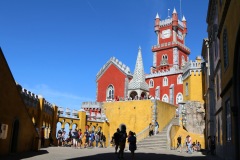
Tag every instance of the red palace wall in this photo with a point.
(158, 81)
(111, 76)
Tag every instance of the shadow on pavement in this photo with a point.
(17, 156)
(144, 156)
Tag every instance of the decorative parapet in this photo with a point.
(166, 72)
(191, 66)
(170, 44)
(67, 113)
(30, 99)
(94, 111)
(118, 63)
(165, 22)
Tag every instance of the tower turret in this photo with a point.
(156, 27)
(174, 24)
(184, 21)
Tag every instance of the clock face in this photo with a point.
(166, 33)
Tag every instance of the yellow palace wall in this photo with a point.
(194, 87)
(137, 115)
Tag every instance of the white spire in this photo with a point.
(157, 16)
(138, 82)
(174, 10)
(183, 18)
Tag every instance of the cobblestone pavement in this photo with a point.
(68, 153)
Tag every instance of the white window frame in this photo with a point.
(165, 98)
(165, 81)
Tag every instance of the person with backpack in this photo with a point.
(59, 137)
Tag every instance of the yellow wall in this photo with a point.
(137, 115)
(195, 90)
(176, 131)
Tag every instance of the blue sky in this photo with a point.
(55, 48)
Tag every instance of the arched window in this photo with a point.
(179, 79)
(110, 93)
(151, 83)
(186, 89)
(165, 81)
(179, 98)
(165, 98)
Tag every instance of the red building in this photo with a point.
(165, 79)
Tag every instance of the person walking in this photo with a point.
(116, 140)
(189, 144)
(122, 140)
(132, 144)
(156, 127)
(179, 143)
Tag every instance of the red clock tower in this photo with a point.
(169, 56)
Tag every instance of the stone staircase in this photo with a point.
(159, 141)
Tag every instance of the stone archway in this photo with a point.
(133, 95)
(143, 95)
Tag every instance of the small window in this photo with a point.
(165, 81)
(151, 83)
(179, 79)
(179, 98)
(110, 93)
(165, 98)
(186, 89)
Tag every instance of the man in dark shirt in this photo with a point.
(179, 142)
(116, 139)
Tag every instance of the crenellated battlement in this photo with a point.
(192, 66)
(48, 107)
(165, 22)
(171, 44)
(118, 63)
(166, 72)
(30, 99)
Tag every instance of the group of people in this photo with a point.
(153, 128)
(78, 139)
(190, 146)
(120, 138)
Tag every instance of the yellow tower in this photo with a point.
(192, 81)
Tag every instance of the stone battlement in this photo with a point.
(192, 66)
(30, 99)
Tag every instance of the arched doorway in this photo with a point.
(14, 143)
(133, 95)
(143, 95)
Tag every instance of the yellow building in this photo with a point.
(192, 81)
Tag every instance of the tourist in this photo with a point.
(97, 138)
(150, 129)
(179, 143)
(75, 138)
(122, 140)
(116, 139)
(59, 137)
(189, 144)
(132, 143)
(198, 146)
(79, 138)
(156, 127)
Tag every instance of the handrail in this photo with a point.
(143, 134)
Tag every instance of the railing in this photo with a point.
(143, 134)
